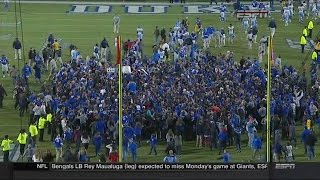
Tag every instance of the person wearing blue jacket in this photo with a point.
(153, 144)
(67, 136)
(132, 87)
(101, 126)
(170, 158)
(138, 132)
(237, 134)
(222, 137)
(97, 141)
(58, 146)
(226, 157)
(257, 145)
(304, 135)
(128, 132)
(133, 149)
(26, 72)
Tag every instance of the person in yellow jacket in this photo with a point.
(5, 144)
(41, 125)
(49, 121)
(305, 32)
(33, 130)
(22, 139)
(309, 124)
(314, 56)
(197, 29)
(310, 27)
(303, 43)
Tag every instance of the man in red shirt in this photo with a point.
(114, 156)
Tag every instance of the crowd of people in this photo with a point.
(213, 99)
(210, 98)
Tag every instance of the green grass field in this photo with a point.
(88, 29)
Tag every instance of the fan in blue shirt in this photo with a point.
(133, 146)
(128, 132)
(97, 141)
(226, 157)
(58, 142)
(153, 143)
(170, 158)
(256, 144)
(101, 126)
(26, 72)
(132, 87)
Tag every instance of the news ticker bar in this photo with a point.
(137, 167)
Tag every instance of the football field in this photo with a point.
(86, 27)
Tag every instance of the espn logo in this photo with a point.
(285, 166)
(250, 13)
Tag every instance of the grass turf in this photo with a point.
(87, 29)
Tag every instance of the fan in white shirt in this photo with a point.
(164, 46)
(289, 153)
(116, 24)
(64, 125)
(161, 52)
(37, 157)
(278, 62)
(231, 33)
